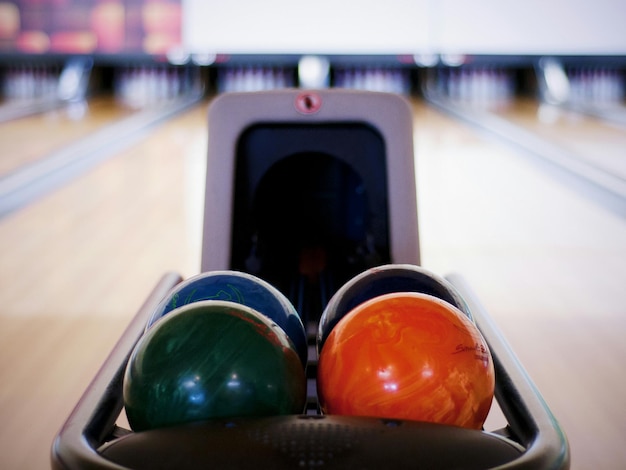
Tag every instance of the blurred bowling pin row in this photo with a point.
(142, 86)
(483, 86)
(254, 78)
(391, 80)
(596, 85)
(26, 82)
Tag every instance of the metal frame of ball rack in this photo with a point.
(532, 430)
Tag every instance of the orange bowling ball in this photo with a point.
(407, 356)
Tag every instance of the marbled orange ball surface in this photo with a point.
(407, 356)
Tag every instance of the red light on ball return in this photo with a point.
(308, 103)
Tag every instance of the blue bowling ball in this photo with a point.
(244, 289)
(387, 279)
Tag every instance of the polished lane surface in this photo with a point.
(76, 265)
(545, 261)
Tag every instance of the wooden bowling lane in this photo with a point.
(77, 264)
(547, 263)
(29, 139)
(544, 260)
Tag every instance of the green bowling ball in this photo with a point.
(212, 359)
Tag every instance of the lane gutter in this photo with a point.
(31, 181)
(614, 115)
(17, 109)
(603, 187)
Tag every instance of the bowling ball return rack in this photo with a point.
(247, 161)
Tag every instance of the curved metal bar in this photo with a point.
(93, 418)
(529, 418)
